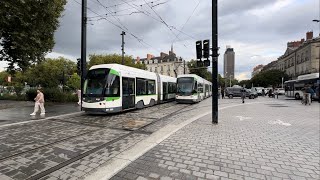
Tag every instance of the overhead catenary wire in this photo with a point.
(187, 20)
(136, 37)
(163, 21)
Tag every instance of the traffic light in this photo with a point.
(79, 65)
(206, 48)
(199, 49)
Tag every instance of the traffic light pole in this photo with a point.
(83, 44)
(215, 62)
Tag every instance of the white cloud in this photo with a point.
(257, 30)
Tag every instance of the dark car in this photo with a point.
(236, 92)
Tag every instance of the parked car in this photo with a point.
(279, 91)
(254, 92)
(258, 90)
(236, 92)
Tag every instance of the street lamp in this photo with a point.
(230, 79)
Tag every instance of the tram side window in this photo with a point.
(165, 89)
(200, 88)
(151, 87)
(141, 87)
(207, 88)
(172, 87)
(112, 86)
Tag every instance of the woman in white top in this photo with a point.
(39, 101)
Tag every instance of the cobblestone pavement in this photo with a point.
(69, 148)
(270, 139)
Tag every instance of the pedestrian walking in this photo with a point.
(39, 102)
(222, 93)
(263, 93)
(243, 94)
(310, 93)
(79, 96)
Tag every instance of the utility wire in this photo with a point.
(112, 15)
(137, 38)
(163, 22)
(187, 20)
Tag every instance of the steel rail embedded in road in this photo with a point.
(79, 156)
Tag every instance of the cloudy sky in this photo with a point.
(258, 30)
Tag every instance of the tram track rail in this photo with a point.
(89, 152)
(139, 130)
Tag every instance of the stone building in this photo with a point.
(301, 57)
(165, 64)
(256, 70)
(228, 65)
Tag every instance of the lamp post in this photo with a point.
(230, 79)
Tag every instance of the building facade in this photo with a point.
(301, 57)
(165, 64)
(228, 65)
(256, 70)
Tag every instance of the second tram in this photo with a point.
(192, 88)
(111, 88)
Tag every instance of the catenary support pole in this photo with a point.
(122, 46)
(215, 61)
(83, 45)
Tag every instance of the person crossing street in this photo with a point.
(39, 102)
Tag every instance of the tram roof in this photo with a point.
(131, 71)
(194, 76)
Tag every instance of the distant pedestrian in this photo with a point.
(310, 93)
(263, 93)
(222, 93)
(243, 94)
(39, 101)
(79, 96)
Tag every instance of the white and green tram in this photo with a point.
(192, 88)
(111, 88)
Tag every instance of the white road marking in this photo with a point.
(241, 118)
(278, 121)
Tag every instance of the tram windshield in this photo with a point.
(101, 83)
(185, 85)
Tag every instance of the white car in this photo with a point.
(279, 91)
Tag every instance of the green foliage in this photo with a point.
(3, 76)
(50, 72)
(13, 97)
(74, 82)
(27, 30)
(202, 72)
(269, 78)
(113, 58)
(52, 95)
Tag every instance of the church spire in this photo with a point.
(171, 48)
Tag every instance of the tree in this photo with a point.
(74, 81)
(50, 72)
(269, 78)
(3, 77)
(27, 30)
(113, 58)
(200, 71)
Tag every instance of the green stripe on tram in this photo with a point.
(112, 71)
(111, 98)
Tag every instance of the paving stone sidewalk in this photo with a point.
(267, 140)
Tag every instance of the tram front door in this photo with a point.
(128, 94)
